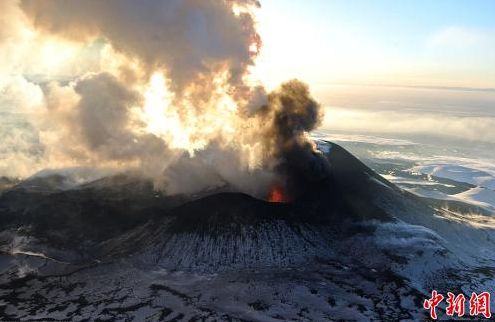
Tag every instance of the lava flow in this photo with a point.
(277, 194)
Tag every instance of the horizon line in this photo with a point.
(432, 87)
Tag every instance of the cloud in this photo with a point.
(462, 128)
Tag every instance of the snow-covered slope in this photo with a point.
(482, 197)
(476, 174)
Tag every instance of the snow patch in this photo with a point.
(479, 196)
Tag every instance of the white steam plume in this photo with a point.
(210, 125)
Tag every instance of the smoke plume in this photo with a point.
(192, 40)
(290, 114)
(167, 92)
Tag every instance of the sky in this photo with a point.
(409, 42)
(414, 68)
(88, 77)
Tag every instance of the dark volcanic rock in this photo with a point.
(82, 217)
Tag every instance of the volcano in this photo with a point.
(351, 246)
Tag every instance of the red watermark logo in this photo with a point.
(479, 304)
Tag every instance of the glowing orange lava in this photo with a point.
(277, 194)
